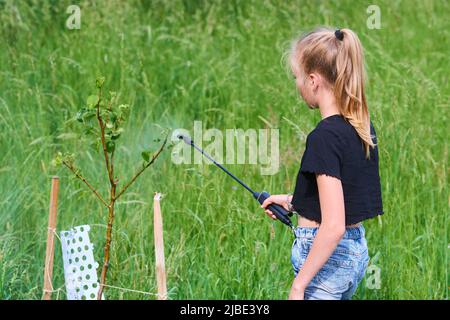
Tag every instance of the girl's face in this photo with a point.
(306, 86)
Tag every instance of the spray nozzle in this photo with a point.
(185, 139)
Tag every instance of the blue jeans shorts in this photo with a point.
(340, 275)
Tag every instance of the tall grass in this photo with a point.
(218, 62)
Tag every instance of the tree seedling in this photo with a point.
(103, 121)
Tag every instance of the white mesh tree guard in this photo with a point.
(80, 268)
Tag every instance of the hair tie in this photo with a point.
(339, 35)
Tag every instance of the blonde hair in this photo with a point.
(341, 63)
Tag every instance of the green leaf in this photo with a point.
(57, 161)
(124, 108)
(92, 101)
(85, 114)
(112, 117)
(116, 134)
(89, 114)
(100, 81)
(68, 158)
(110, 146)
(146, 156)
(124, 111)
(89, 130)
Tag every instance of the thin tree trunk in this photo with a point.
(108, 242)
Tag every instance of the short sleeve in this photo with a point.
(323, 154)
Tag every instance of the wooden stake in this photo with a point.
(49, 253)
(159, 248)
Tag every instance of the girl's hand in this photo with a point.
(280, 199)
(296, 293)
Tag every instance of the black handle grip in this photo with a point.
(281, 213)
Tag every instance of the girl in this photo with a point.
(338, 184)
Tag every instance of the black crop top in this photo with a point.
(335, 149)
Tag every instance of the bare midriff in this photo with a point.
(306, 223)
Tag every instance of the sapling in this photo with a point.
(103, 121)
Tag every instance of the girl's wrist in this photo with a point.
(299, 283)
(288, 202)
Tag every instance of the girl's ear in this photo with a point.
(313, 81)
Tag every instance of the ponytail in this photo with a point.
(349, 86)
(338, 56)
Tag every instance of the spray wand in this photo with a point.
(281, 213)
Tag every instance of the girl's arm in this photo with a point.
(330, 232)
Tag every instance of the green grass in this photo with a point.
(176, 62)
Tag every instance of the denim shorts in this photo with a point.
(340, 275)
